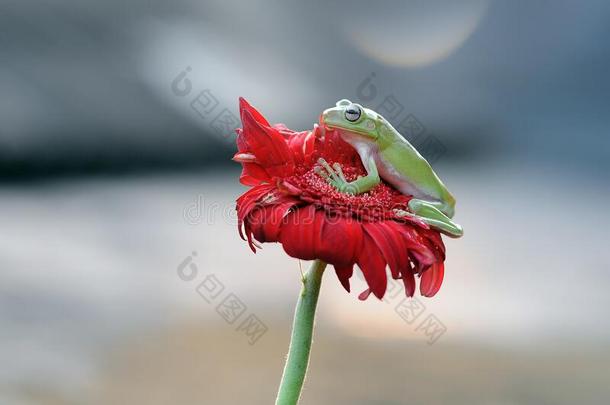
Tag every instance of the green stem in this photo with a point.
(300, 341)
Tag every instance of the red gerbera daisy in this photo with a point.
(291, 204)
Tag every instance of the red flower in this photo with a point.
(290, 204)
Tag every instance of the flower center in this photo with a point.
(381, 202)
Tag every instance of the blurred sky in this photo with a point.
(102, 151)
(87, 85)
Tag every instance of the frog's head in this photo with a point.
(348, 117)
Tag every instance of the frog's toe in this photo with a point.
(329, 170)
(339, 171)
(321, 172)
(448, 228)
(435, 218)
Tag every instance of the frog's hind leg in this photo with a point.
(435, 218)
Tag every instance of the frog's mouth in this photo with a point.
(360, 141)
(345, 132)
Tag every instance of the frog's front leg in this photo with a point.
(334, 175)
(434, 217)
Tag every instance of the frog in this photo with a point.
(388, 156)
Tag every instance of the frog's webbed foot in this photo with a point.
(335, 177)
(435, 218)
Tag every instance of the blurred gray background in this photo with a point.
(116, 135)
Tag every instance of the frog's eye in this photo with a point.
(352, 113)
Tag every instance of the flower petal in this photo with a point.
(297, 233)
(364, 294)
(340, 240)
(371, 262)
(265, 142)
(408, 280)
(436, 240)
(245, 106)
(253, 174)
(432, 279)
(419, 250)
(392, 229)
(266, 222)
(303, 146)
(248, 201)
(344, 273)
(385, 245)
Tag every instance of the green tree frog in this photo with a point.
(387, 155)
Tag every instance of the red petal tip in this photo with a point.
(244, 158)
(364, 294)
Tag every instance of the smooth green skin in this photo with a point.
(302, 333)
(387, 155)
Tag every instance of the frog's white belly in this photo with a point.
(386, 170)
(389, 174)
